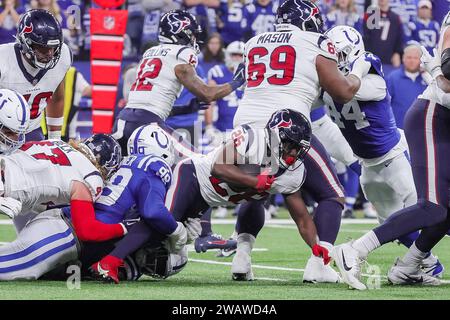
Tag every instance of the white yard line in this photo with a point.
(278, 226)
(290, 222)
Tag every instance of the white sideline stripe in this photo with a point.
(256, 266)
(271, 279)
(291, 222)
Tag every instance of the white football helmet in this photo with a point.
(348, 43)
(236, 47)
(14, 120)
(151, 139)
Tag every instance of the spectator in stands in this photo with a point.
(258, 17)
(406, 83)
(52, 6)
(229, 19)
(423, 29)
(384, 36)
(204, 11)
(344, 13)
(440, 9)
(9, 18)
(213, 53)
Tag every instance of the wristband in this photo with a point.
(54, 135)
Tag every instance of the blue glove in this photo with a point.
(238, 77)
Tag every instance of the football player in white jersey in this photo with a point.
(289, 67)
(245, 171)
(426, 130)
(53, 172)
(36, 66)
(161, 75)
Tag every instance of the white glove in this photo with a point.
(214, 136)
(194, 229)
(431, 63)
(177, 240)
(10, 207)
(360, 67)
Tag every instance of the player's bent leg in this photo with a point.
(45, 243)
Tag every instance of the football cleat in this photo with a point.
(349, 263)
(241, 268)
(213, 241)
(348, 214)
(433, 268)
(369, 211)
(107, 269)
(404, 274)
(317, 272)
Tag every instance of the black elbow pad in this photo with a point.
(445, 63)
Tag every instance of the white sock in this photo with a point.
(326, 245)
(245, 242)
(366, 244)
(430, 260)
(414, 256)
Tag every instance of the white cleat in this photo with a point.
(349, 263)
(404, 274)
(241, 267)
(317, 272)
(369, 211)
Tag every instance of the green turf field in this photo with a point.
(208, 277)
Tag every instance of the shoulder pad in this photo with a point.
(155, 166)
(375, 62)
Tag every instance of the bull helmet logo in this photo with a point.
(176, 24)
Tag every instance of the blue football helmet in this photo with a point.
(180, 27)
(105, 150)
(301, 13)
(38, 29)
(289, 130)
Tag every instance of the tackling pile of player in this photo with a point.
(121, 217)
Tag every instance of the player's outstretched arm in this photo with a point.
(55, 112)
(87, 227)
(299, 213)
(188, 77)
(341, 88)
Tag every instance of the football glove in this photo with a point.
(238, 77)
(264, 182)
(193, 228)
(10, 207)
(177, 240)
(431, 63)
(321, 252)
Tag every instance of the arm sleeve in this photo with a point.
(152, 209)
(373, 88)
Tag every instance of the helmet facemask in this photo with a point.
(9, 143)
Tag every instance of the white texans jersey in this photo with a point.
(433, 92)
(252, 147)
(157, 87)
(36, 85)
(281, 73)
(42, 172)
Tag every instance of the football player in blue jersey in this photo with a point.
(141, 182)
(230, 15)
(258, 17)
(368, 124)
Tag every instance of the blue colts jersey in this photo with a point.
(258, 19)
(231, 17)
(367, 121)
(140, 183)
(426, 33)
(227, 106)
